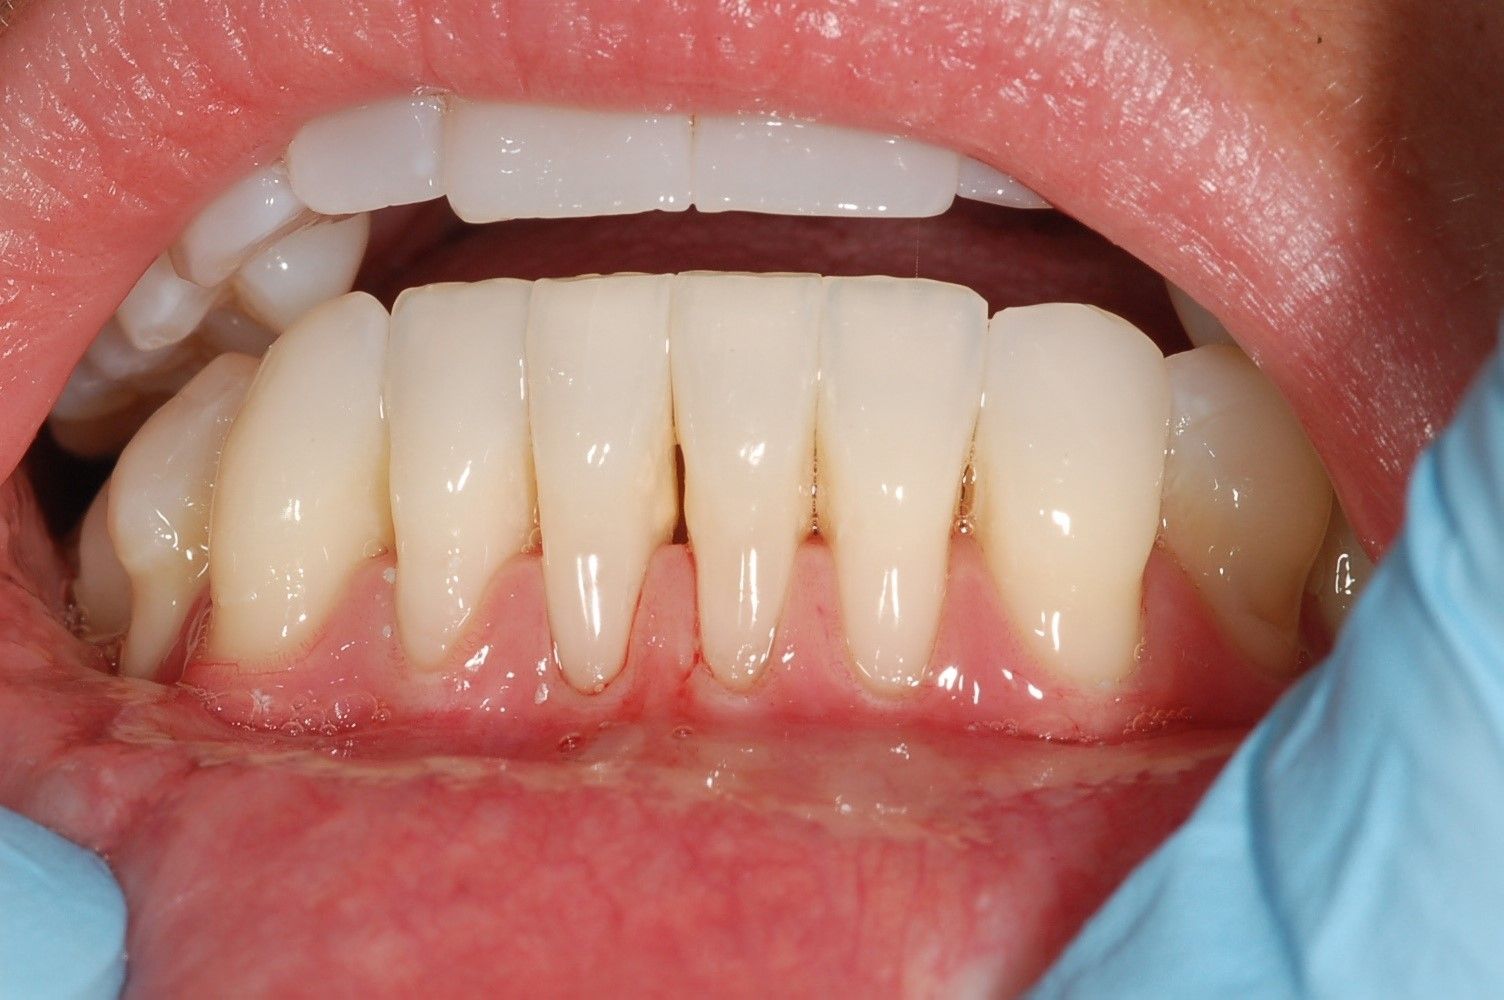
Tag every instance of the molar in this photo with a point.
(369, 157)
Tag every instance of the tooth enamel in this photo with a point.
(232, 331)
(162, 308)
(979, 182)
(102, 590)
(510, 161)
(301, 498)
(116, 358)
(744, 350)
(1246, 500)
(1340, 572)
(233, 227)
(461, 460)
(102, 435)
(602, 429)
(302, 269)
(90, 393)
(755, 163)
(1069, 459)
(900, 382)
(369, 157)
(1201, 327)
(159, 507)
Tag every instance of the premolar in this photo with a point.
(302, 269)
(248, 216)
(102, 589)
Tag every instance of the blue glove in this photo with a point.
(1354, 846)
(62, 917)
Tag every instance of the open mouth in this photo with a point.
(734, 537)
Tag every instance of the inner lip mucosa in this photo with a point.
(823, 819)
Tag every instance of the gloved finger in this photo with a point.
(62, 917)
(1350, 848)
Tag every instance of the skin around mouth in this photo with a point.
(274, 861)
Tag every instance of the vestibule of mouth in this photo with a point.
(703, 494)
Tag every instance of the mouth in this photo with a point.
(836, 584)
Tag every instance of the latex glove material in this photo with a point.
(62, 917)
(1354, 846)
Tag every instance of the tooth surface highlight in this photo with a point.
(301, 498)
(1246, 500)
(116, 358)
(756, 163)
(1069, 460)
(979, 182)
(374, 156)
(1201, 327)
(246, 217)
(1340, 572)
(900, 382)
(162, 308)
(102, 590)
(603, 446)
(159, 506)
(744, 350)
(461, 457)
(510, 161)
(302, 269)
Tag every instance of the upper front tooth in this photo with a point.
(102, 590)
(979, 182)
(900, 381)
(461, 460)
(1201, 327)
(745, 358)
(756, 163)
(1246, 500)
(301, 498)
(159, 506)
(302, 269)
(369, 157)
(1069, 458)
(248, 216)
(598, 375)
(508, 161)
(162, 308)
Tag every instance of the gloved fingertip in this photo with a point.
(63, 921)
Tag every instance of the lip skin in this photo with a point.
(1272, 161)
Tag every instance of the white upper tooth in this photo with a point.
(979, 182)
(1069, 458)
(1246, 500)
(102, 590)
(598, 378)
(745, 356)
(1201, 327)
(249, 215)
(755, 163)
(369, 157)
(302, 269)
(461, 459)
(230, 330)
(162, 308)
(900, 382)
(89, 393)
(117, 358)
(508, 161)
(302, 494)
(159, 506)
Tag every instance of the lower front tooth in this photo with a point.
(900, 381)
(301, 498)
(745, 357)
(159, 506)
(1069, 459)
(602, 428)
(1246, 500)
(302, 269)
(461, 460)
(102, 590)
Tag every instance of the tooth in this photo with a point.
(1200, 325)
(1340, 572)
(461, 459)
(744, 351)
(234, 226)
(159, 507)
(370, 157)
(301, 498)
(230, 330)
(1069, 460)
(900, 382)
(1246, 500)
(116, 358)
(102, 590)
(979, 182)
(302, 269)
(89, 393)
(162, 308)
(102, 435)
(510, 161)
(755, 163)
(602, 427)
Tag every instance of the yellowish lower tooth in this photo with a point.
(103, 589)
(1340, 572)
